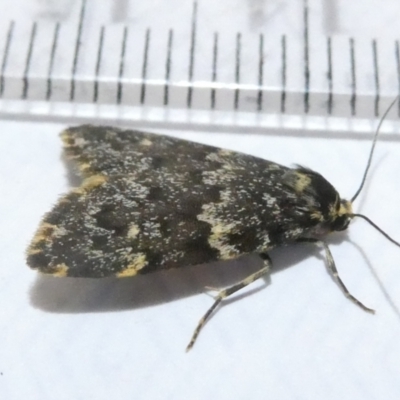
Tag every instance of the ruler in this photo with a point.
(228, 62)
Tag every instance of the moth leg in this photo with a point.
(333, 270)
(223, 294)
(212, 288)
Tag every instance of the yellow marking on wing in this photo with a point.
(146, 142)
(31, 251)
(71, 141)
(67, 139)
(60, 270)
(84, 166)
(90, 183)
(224, 152)
(302, 182)
(43, 234)
(218, 240)
(317, 215)
(134, 267)
(133, 231)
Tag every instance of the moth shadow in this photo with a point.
(379, 282)
(79, 295)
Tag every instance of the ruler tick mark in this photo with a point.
(25, 77)
(191, 55)
(353, 78)
(306, 60)
(51, 61)
(237, 69)
(144, 66)
(330, 76)
(98, 64)
(214, 69)
(77, 48)
(283, 77)
(168, 66)
(5, 56)
(260, 72)
(122, 65)
(376, 76)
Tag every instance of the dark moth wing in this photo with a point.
(152, 202)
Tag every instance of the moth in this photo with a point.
(150, 202)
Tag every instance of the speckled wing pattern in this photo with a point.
(150, 202)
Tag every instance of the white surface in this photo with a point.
(299, 338)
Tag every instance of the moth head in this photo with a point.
(335, 214)
(341, 215)
(322, 199)
(344, 214)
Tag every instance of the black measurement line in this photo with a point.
(330, 76)
(121, 65)
(260, 72)
(98, 65)
(397, 56)
(284, 67)
(353, 98)
(168, 66)
(76, 52)
(214, 70)
(237, 69)
(376, 76)
(144, 66)
(191, 55)
(49, 89)
(306, 60)
(25, 77)
(5, 56)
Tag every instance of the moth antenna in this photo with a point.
(372, 149)
(376, 227)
